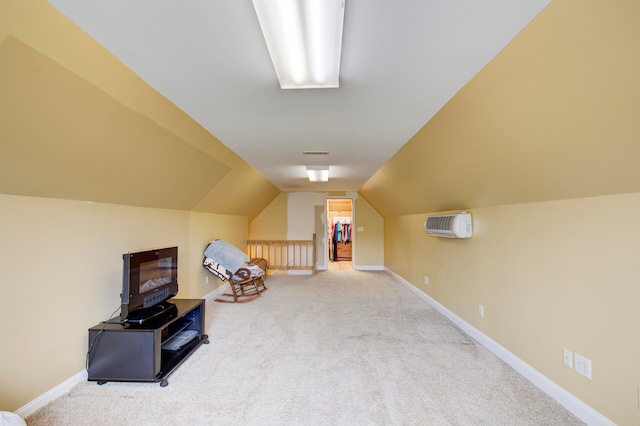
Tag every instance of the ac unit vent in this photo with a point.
(449, 225)
(315, 152)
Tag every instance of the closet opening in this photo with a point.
(340, 233)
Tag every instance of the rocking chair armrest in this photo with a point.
(241, 275)
(260, 262)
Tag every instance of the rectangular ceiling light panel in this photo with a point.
(318, 173)
(304, 38)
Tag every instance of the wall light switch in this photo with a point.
(481, 310)
(360, 228)
(567, 358)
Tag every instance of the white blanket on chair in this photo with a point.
(222, 273)
(226, 254)
(216, 269)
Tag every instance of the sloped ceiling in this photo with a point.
(76, 124)
(105, 149)
(401, 61)
(555, 115)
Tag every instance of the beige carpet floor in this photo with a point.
(337, 348)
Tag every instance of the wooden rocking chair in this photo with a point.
(247, 282)
(243, 288)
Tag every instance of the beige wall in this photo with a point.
(61, 264)
(368, 243)
(276, 220)
(271, 223)
(204, 228)
(76, 124)
(551, 121)
(550, 275)
(542, 147)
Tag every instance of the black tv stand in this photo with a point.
(131, 352)
(161, 310)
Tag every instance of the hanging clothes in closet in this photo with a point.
(346, 232)
(336, 234)
(340, 235)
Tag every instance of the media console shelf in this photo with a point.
(134, 353)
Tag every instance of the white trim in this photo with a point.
(349, 196)
(581, 410)
(212, 295)
(368, 268)
(52, 394)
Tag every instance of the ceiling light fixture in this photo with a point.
(304, 38)
(318, 173)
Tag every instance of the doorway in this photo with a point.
(340, 233)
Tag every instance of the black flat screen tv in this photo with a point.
(149, 278)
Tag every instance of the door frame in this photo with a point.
(326, 227)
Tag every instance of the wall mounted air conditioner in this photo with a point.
(449, 225)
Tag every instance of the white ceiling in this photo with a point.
(402, 60)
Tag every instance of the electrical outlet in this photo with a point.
(426, 280)
(567, 358)
(481, 310)
(582, 366)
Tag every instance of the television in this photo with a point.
(149, 278)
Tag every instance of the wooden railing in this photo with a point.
(285, 254)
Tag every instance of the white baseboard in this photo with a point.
(217, 292)
(62, 389)
(368, 268)
(579, 409)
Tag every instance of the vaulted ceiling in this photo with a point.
(401, 62)
(418, 125)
